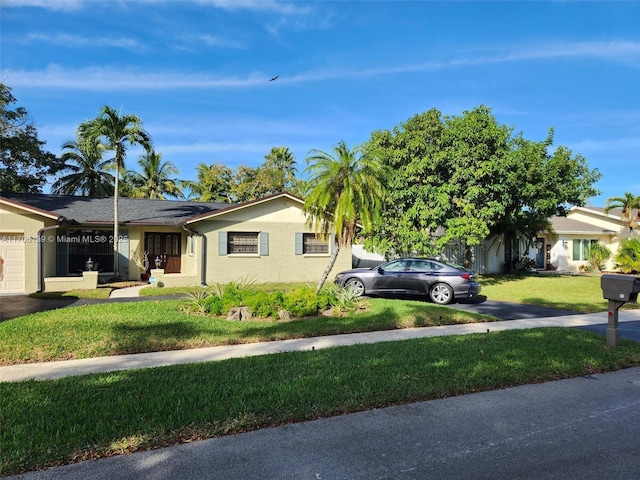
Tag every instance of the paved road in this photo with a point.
(583, 428)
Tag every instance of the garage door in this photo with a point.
(12, 269)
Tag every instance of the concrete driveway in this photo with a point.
(507, 310)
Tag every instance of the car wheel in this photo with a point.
(356, 286)
(441, 293)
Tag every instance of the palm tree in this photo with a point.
(83, 158)
(155, 179)
(346, 191)
(214, 183)
(115, 131)
(278, 172)
(628, 202)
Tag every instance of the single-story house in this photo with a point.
(565, 248)
(46, 242)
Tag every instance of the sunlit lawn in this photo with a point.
(155, 325)
(579, 293)
(71, 419)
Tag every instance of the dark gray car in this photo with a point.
(442, 282)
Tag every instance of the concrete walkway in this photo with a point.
(59, 369)
(129, 292)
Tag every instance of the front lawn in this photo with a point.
(77, 418)
(155, 325)
(578, 293)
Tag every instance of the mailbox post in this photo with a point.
(618, 289)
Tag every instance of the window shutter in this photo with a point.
(299, 245)
(222, 243)
(264, 243)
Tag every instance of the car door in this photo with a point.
(421, 274)
(391, 276)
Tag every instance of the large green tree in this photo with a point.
(24, 164)
(87, 171)
(156, 178)
(214, 183)
(465, 178)
(116, 132)
(346, 191)
(627, 203)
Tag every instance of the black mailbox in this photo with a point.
(621, 288)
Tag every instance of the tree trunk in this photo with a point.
(116, 232)
(327, 270)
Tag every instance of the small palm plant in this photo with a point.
(597, 256)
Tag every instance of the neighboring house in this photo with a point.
(564, 249)
(46, 241)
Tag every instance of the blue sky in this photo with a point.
(196, 72)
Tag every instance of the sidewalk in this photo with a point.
(59, 369)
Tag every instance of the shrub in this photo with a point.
(302, 302)
(628, 257)
(264, 304)
(597, 256)
(196, 302)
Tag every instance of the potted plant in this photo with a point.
(141, 259)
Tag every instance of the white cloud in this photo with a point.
(111, 79)
(48, 4)
(215, 41)
(79, 42)
(284, 8)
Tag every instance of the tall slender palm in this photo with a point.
(154, 181)
(628, 203)
(116, 131)
(346, 191)
(88, 171)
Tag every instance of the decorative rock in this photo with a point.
(239, 314)
(284, 315)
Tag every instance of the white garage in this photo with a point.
(12, 265)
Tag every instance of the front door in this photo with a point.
(165, 247)
(540, 252)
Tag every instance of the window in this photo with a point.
(311, 244)
(82, 244)
(581, 248)
(396, 266)
(242, 242)
(424, 266)
(247, 243)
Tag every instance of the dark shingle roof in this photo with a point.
(99, 210)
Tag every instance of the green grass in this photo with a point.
(579, 293)
(156, 325)
(62, 421)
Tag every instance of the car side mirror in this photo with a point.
(380, 270)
